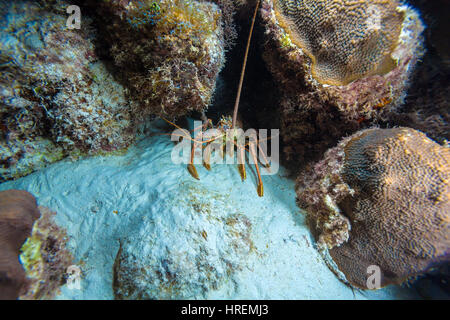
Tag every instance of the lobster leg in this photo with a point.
(252, 150)
(266, 163)
(241, 161)
(207, 156)
(190, 166)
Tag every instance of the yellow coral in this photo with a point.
(346, 40)
(183, 17)
(31, 256)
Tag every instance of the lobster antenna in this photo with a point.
(238, 96)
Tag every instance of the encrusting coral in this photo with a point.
(33, 254)
(168, 53)
(18, 211)
(340, 66)
(56, 97)
(45, 258)
(381, 197)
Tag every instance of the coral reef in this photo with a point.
(45, 258)
(56, 97)
(229, 9)
(18, 211)
(324, 70)
(426, 105)
(381, 197)
(150, 265)
(333, 85)
(168, 52)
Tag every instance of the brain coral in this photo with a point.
(359, 45)
(340, 65)
(381, 197)
(18, 211)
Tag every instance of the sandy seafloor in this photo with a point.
(145, 188)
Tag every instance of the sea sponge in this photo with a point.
(168, 52)
(18, 211)
(341, 66)
(381, 197)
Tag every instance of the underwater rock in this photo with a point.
(168, 53)
(426, 105)
(381, 197)
(340, 66)
(45, 258)
(434, 284)
(18, 211)
(57, 98)
(435, 14)
(154, 264)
